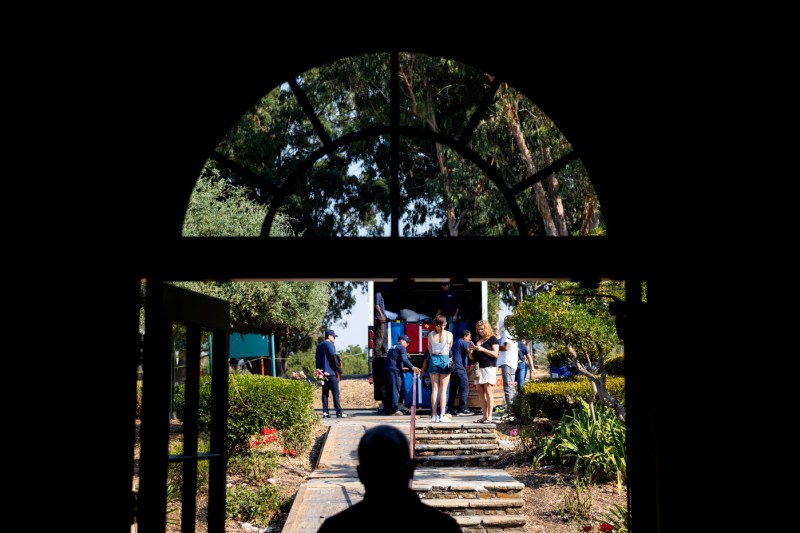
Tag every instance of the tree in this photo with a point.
(282, 309)
(579, 320)
(346, 192)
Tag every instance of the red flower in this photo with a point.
(605, 526)
(292, 453)
(285, 451)
(587, 528)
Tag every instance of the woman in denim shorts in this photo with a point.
(440, 341)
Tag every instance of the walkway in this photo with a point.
(334, 484)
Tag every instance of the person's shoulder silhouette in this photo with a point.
(385, 468)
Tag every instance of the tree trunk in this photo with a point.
(512, 115)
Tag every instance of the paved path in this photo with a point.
(334, 484)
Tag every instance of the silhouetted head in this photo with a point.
(384, 460)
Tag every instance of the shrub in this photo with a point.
(559, 356)
(175, 470)
(254, 504)
(595, 449)
(615, 366)
(352, 363)
(551, 397)
(256, 402)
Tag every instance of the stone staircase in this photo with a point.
(455, 475)
(456, 444)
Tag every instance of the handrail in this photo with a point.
(412, 442)
(413, 428)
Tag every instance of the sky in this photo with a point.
(356, 331)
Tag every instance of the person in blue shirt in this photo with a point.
(459, 387)
(329, 362)
(524, 364)
(396, 359)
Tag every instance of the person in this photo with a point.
(386, 470)
(396, 359)
(507, 361)
(460, 385)
(329, 362)
(448, 305)
(485, 353)
(379, 328)
(524, 362)
(440, 344)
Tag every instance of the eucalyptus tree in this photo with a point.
(319, 148)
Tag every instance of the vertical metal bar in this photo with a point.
(219, 434)
(156, 386)
(190, 429)
(394, 188)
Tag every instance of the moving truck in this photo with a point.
(411, 308)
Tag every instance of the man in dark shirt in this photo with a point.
(396, 359)
(459, 386)
(329, 362)
(449, 306)
(386, 470)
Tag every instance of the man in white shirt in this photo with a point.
(507, 362)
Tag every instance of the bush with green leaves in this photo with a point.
(615, 366)
(594, 448)
(256, 402)
(558, 356)
(256, 505)
(552, 397)
(175, 470)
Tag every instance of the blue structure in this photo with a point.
(252, 346)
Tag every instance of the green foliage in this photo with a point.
(595, 449)
(577, 505)
(551, 398)
(256, 402)
(559, 356)
(568, 315)
(346, 192)
(256, 505)
(217, 208)
(354, 361)
(255, 467)
(615, 366)
(619, 518)
(175, 470)
(305, 361)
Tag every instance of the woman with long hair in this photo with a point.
(440, 342)
(485, 353)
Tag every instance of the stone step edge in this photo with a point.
(421, 459)
(455, 504)
(454, 425)
(493, 521)
(477, 486)
(426, 447)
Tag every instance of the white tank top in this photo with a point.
(439, 348)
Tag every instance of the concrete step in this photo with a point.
(479, 499)
(455, 444)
